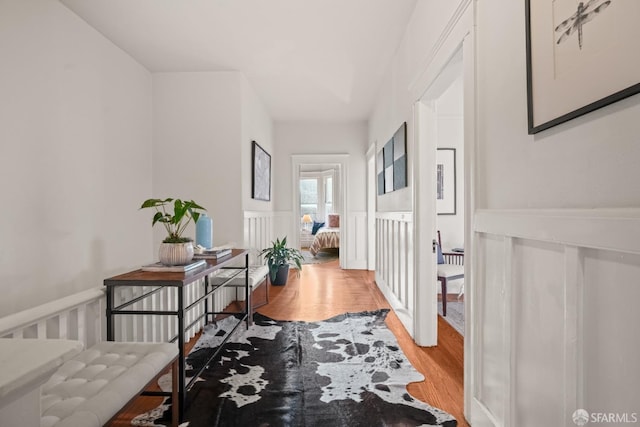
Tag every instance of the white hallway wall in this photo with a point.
(75, 143)
(82, 125)
(257, 125)
(548, 266)
(206, 122)
(323, 138)
(561, 291)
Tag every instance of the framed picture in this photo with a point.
(400, 157)
(581, 56)
(391, 162)
(388, 166)
(446, 181)
(380, 172)
(261, 180)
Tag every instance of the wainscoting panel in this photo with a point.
(555, 315)
(357, 241)
(539, 307)
(611, 338)
(394, 263)
(491, 324)
(258, 232)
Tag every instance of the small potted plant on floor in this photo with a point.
(174, 249)
(278, 257)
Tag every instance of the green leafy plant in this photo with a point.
(174, 222)
(279, 254)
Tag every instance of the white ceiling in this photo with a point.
(318, 60)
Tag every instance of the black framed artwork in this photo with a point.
(391, 163)
(581, 56)
(261, 177)
(388, 166)
(400, 157)
(380, 171)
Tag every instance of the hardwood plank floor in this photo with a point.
(323, 291)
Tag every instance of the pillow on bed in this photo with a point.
(316, 227)
(334, 220)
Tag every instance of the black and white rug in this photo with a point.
(344, 371)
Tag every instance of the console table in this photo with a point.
(159, 280)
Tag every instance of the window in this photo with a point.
(328, 195)
(309, 197)
(316, 194)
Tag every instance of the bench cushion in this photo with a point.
(257, 274)
(91, 388)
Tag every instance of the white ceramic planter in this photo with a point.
(176, 253)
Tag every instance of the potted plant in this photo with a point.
(174, 249)
(278, 257)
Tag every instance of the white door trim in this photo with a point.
(426, 301)
(371, 207)
(342, 160)
(459, 32)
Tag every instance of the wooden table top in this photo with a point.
(143, 278)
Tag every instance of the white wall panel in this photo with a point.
(258, 233)
(612, 342)
(538, 308)
(491, 326)
(357, 241)
(556, 292)
(394, 265)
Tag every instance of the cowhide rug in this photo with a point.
(344, 371)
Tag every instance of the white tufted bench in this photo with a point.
(94, 386)
(257, 276)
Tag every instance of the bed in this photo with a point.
(328, 237)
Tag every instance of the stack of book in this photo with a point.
(159, 267)
(212, 254)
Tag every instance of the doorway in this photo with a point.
(457, 41)
(317, 184)
(325, 169)
(449, 116)
(439, 124)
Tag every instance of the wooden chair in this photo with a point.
(450, 267)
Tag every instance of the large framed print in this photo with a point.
(446, 181)
(387, 155)
(261, 179)
(581, 56)
(380, 171)
(400, 157)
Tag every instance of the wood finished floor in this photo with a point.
(323, 291)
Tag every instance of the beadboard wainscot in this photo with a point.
(357, 240)
(394, 263)
(258, 232)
